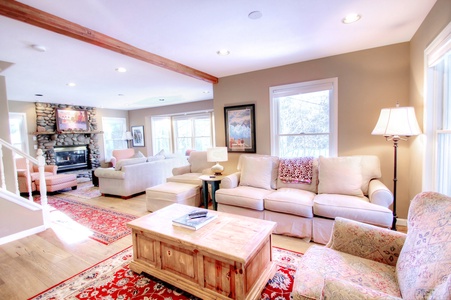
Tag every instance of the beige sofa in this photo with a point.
(134, 175)
(347, 187)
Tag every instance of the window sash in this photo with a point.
(309, 137)
(113, 135)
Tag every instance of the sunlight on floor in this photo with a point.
(68, 230)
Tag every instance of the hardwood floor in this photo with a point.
(33, 264)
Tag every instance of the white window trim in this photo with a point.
(433, 53)
(24, 134)
(333, 145)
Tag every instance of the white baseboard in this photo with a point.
(402, 222)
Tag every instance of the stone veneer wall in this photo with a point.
(48, 137)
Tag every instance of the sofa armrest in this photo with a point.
(230, 181)
(379, 194)
(181, 170)
(335, 288)
(366, 241)
(109, 173)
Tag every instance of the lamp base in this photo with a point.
(217, 169)
(393, 226)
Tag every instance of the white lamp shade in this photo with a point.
(128, 136)
(397, 121)
(217, 154)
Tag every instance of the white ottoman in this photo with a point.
(172, 192)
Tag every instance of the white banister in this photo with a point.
(40, 162)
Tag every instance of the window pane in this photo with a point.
(304, 113)
(161, 134)
(113, 135)
(305, 145)
(444, 163)
(303, 119)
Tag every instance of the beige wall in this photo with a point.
(143, 117)
(438, 18)
(367, 81)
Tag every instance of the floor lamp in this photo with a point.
(395, 124)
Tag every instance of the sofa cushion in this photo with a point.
(340, 175)
(129, 161)
(351, 207)
(190, 178)
(198, 161)
(291, 201)
(371, 169)
(256, 172)
(274, 170)
(243, 196)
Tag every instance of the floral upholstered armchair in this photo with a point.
(366, 262)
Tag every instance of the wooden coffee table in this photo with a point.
(229, 258)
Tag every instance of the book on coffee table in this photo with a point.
(193, 223)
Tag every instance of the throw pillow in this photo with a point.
(138, 155)
(340, 175)
(256, 172)
(129, 161)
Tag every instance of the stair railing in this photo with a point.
(40, 162)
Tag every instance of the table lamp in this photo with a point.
(217, 154)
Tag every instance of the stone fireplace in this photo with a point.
(50, 140)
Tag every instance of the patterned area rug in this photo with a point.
(84, 190)
(112, 279)
(102, 225)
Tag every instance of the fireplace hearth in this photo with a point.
(71, 157)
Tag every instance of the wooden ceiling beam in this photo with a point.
(21, 12)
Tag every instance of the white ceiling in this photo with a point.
(190, 33)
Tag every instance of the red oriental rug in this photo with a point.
(112, 279)
(100, 224)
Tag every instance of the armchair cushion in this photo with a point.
(319, 262)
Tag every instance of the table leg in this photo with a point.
(205, 193)
(214, 188)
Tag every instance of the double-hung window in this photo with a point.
(304, 119)
(178, 133)
(18, 131)
(113, 135)
(437, 123)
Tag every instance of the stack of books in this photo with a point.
(195, 219)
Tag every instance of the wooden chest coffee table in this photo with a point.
(229, 258)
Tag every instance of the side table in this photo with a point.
(214, 182)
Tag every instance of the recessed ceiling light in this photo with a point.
(254, 15)
(38, 95)
(71, 84)
(121, 70)
(351, 18)
(223, 52)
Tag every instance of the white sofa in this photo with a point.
(347, 187)
(134, 175)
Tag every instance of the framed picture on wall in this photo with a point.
(240, 128)
(71, 119)
(138, 136)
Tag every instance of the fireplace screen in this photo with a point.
(68, 158)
